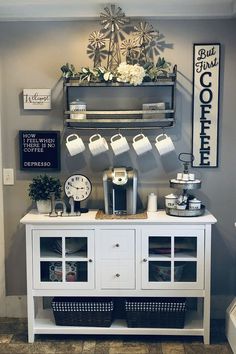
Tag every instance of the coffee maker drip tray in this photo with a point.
(101, 215)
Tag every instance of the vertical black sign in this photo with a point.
(39, 150)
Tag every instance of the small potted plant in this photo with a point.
(40, 191)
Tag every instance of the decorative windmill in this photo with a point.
(144, 34)
(112, 20)
(130, 49)
(96, 47)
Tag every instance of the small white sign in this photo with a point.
(37, 98)
(206, 71)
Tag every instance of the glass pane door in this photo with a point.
(172, 259)
(64, 257)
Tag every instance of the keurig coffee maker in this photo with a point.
(120, 191)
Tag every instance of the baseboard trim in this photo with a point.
(16, 306)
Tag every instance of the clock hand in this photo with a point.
(70, 184)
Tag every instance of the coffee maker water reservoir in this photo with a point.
(120, 191)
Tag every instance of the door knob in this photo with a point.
(117, 275)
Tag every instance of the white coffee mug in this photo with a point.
(141, 144)
(119, 144)
(74, 144)
(97, 144)
(164, 144)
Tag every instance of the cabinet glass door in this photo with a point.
(172, 259)
(63, 258)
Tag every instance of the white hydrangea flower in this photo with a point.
(137, 74)
(132, 74)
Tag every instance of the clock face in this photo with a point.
(78, 187)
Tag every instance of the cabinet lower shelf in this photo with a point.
(44, 324)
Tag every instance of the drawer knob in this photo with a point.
(145, 260)
(117, 245)
(90, 260)
(117, 275)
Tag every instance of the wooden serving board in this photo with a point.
(101, 215)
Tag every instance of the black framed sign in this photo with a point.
(39, 150)
(206, 80)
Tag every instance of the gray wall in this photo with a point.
(31, 56)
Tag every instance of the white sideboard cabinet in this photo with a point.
(83, 256)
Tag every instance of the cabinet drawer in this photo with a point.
(118, 274)
(117, 244)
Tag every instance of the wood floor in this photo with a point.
(13, 339)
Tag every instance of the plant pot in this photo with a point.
(44, 206)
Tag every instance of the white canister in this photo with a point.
(195, 204)
(171, 201)
(79, 108)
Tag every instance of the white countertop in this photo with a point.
(159, 217)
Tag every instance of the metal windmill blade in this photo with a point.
(130, 49)
(97, 41)
(112, 20)
(144, 34)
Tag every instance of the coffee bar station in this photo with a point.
(153, 264)
(126, 268)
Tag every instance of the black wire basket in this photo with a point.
(81, 311)
(155, 312)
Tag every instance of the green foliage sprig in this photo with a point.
(42, 186)
(101, 74)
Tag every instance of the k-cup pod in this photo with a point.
(191, 176)
(74, 144)
(97, 144)
(164, 144)
(152, 202)
(185, 177)
(179, 176)
(141, 144)
(171, 201)
(119, 144)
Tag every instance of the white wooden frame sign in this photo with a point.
(206, 79)
(37, 98)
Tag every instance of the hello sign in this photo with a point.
(206, 71)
